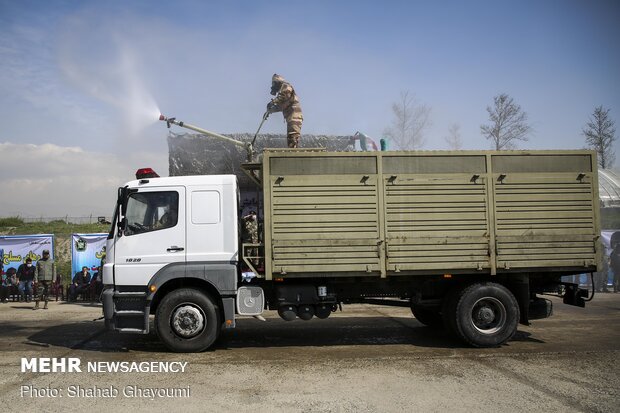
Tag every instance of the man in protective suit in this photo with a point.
(287, 102)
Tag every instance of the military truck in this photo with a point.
(469, 240)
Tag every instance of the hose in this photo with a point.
(593, 289)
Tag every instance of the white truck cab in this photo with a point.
(175, 233)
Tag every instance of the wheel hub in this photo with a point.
(187, 320)
(488, 315)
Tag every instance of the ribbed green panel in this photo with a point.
(325, 223)
(388, 212)
(544, 220)
(436, 222)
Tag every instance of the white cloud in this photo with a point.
(53, 181)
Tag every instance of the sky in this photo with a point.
(82, 82)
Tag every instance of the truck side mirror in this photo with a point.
(122, 224)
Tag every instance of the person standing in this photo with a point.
(4, 281)
(614, 263)
(98, 277)
(600, 277)
(45, 276)
(287, 102)
(25, 275)
(250, 226)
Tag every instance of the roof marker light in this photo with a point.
(146, 173)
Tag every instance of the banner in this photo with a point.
(86, 251)
(19, 247)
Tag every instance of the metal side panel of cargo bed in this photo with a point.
(321, 213)
(546, 210)
(398, 213)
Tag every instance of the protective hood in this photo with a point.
(277, 78)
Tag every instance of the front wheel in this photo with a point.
(485, 314)
(187, 320)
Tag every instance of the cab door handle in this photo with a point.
(174, 248)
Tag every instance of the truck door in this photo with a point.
(154, 234)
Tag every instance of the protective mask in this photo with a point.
(275, 88)
(28, 265)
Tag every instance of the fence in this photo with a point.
(91, 219)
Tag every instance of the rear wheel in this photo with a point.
(484, 314)
(448, 309)
(187, 320)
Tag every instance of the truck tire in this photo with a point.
(427, 315)
(187, 320)
(448, 309)
(485, 314)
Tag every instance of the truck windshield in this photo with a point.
(151, 211)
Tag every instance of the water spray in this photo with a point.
(247, 145)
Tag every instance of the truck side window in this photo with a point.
(151, 211)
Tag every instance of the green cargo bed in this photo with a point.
(386, 214)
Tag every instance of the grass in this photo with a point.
(62, 231)
(17, 226)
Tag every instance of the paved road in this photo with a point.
(366, 358)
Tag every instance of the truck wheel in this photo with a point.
(426, 315)
(486, 314)
(323, 311)
(187, 321)
(448, 309)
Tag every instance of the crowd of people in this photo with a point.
(37, 282)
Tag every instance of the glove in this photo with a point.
(271, 107)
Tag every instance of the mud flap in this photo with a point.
(540, 308)
(229, 312)
(108, 308)
(573, 295)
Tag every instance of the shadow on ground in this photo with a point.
(273, 333)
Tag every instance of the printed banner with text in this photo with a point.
(86, 251)
(19, 247)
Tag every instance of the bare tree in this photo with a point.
(600, 134)
(410, 121)
(453, 139)
(508, 123)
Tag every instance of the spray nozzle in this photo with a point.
(169, 121)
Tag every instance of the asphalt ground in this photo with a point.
(366, 358)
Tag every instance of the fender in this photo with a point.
(221, 275)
